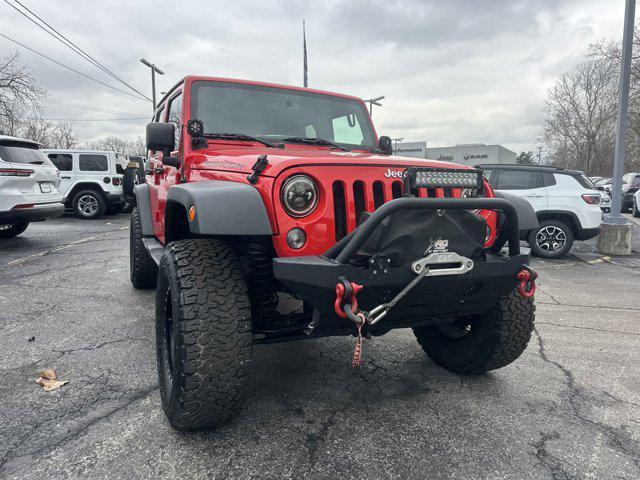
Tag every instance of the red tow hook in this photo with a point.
(527, 281)
(346, 294)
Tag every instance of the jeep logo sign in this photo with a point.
(395, 173)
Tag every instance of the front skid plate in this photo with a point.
(313, 279)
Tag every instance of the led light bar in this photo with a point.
(440, 177)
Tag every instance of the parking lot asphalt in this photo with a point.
(568, 408)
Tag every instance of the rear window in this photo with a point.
(93, 163)
(62, 161)
(518, 180)
(23, 153)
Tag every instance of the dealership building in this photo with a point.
(466, 154)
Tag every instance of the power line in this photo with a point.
(70, 44)
(94, 108)
(87, 119)
(69, 68)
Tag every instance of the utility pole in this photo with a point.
(396, 140)
(615, 231)
(154, 70)
(374, 101)
(539, 155)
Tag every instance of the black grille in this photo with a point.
(339, 210)
(378, 194)
(396, 190)
(359, 200)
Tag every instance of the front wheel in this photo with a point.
(478, 343)
(13, 229)
(552, 239)
(143, 271)
(203, 333)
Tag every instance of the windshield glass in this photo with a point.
(277, 113)
(25, 153)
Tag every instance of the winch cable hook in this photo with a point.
(527, 281)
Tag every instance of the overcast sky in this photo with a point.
(452, 71)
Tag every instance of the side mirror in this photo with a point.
(384, 143)
(161, 136)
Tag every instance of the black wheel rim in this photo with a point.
(551, 239)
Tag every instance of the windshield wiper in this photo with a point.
(238, 136)
(314, 141)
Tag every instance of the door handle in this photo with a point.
(68, 178)
(534, 196)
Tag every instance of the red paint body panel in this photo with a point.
(232, 161)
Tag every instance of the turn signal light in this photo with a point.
(192, 213)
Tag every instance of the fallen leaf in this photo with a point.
(48, 374)
(48, 380)
(48, 385)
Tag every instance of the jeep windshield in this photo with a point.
(281, 115)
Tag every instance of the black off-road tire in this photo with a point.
(13, 230)
(127, 206)
(493, 339)
(142, 269)
(203, 333)
(83, 198)
(130, 179)
(636, 209)
(551, 225)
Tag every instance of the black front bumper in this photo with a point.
(314, 278)
(31, 214)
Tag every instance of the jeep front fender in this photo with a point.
(222, 208)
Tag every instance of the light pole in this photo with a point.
(615, 231)
(374, 101)
(396, 140)
(154, 70)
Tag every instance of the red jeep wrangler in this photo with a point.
(274, 213)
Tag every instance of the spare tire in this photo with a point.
(131, 179)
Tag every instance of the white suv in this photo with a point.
(28, 186)
(566, 202)
(91, 180)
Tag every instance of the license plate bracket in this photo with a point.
(46, 187)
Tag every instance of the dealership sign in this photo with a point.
(411, 149)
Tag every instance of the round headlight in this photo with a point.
(299, 196)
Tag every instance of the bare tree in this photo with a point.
(581, 113)
(612, 51)
(19, 92)
(122, 145)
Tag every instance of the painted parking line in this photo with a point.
(20, 261)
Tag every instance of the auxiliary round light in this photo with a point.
(296, 238)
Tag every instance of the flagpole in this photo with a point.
(304, 60)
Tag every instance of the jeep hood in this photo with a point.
(241, 160)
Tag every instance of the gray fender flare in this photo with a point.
(141, 193)
(527, 218)
(222, 208)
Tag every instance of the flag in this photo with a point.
(304, 48)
